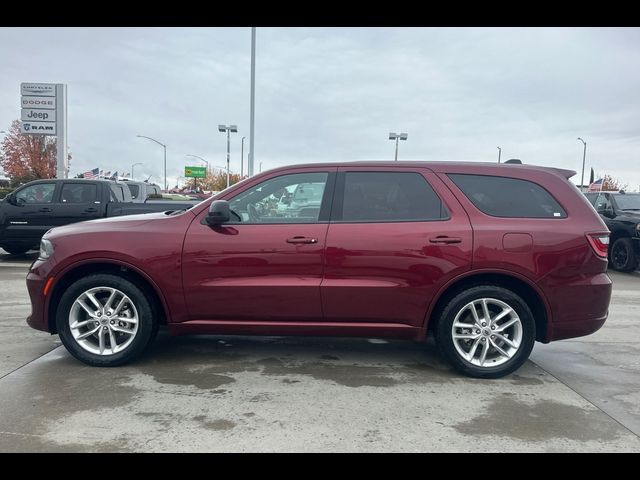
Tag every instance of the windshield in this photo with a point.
(628, 201)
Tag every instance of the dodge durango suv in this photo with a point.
(487, 258)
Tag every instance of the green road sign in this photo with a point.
(195, 172)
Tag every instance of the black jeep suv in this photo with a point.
(621, 212)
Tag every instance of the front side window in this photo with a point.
(294, 198)
(39, 193)
(508, 197)
(389, 197)
(78, 193)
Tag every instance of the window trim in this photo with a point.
(325, 204)
(338, 202)
(564, 215)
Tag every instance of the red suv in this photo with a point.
(488, 258)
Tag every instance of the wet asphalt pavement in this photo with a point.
(215, 393)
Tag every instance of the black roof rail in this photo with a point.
(514, 160)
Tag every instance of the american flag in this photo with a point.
(91, 173)
(595, 186)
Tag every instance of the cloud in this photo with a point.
(332, 94)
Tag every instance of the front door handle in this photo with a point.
(298, 240)
(45, 210)
(446, 240)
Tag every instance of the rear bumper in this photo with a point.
(580, 306)
(38, 318)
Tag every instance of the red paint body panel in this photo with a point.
(390, 272)
(369, 279)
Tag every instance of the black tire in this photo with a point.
(147, 323)
(446, 343)
(16, 250)
(622, 256)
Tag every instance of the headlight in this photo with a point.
(46, 249)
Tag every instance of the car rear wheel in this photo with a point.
(105, 320)
(623, 258)
(486, 332)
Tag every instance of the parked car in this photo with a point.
(488, 258)
(621, 213)
(32, 209)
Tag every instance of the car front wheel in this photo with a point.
(105, 320)
(486, 332)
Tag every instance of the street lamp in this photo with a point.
(165, 156)
(584, 154)
(499, 153)
(242, 159)
(228, 129)
(139, 163)
(396, 137)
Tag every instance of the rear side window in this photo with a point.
(389, 197)
(508, 197)
(78, 193)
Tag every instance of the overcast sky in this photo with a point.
(334, 94)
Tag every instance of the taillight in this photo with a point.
(600, 243)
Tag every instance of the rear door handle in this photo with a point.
(298, 240)
(446, 240)
(45, 209)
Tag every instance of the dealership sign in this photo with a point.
(38, 128)
(39, 112)
(44, 112)
(48, 103)
(31, 114)
(38, 89)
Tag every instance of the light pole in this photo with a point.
(138, 163)
(205, 172)
(228, 129)
(584, 155)
(242, 159)
(499, 153)
(165, 156)
(252, 108)
(396, 137)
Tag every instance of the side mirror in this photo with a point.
(11, 199)
(219, 213)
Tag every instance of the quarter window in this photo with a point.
(389, 197)
(508, 197)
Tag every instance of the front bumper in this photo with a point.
(35, 285)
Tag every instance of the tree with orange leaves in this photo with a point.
(27, 157)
